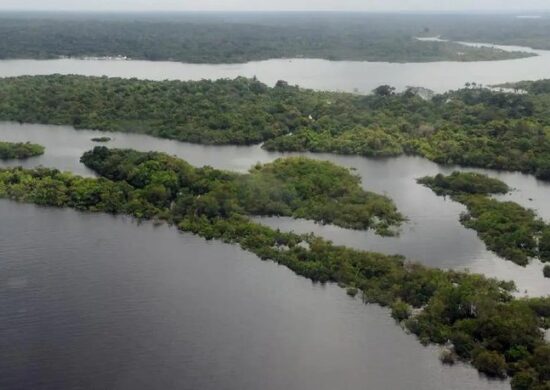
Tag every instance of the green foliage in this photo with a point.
(400, 310)
(239, 111)
(316, 190)
(214, 39)
(463, 344)
(544, 245)
(497, 29)
(470, 127)
(486, 325)
(297, 187)
(19, 151)
(352, 291)
(101, 139)
(524, 380)
(491, 363)
(447, 357)
(506, 227)
(512, 231)
(464, 182)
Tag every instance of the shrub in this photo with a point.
(490, 363)
(400, 311)
(447, 357)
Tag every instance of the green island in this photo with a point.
(297, 187)
(510, 230)
(19, 150)
(204, 38)
(101, 139)
(470, 127)
(486, 326)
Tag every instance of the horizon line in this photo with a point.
(400, 11)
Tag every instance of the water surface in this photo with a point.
(97, 302)
(433, 234)
(349, 76)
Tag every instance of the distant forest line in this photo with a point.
(238, 38)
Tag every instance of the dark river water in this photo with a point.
(96, 302)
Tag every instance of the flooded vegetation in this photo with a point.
(19, 151)
(512, 231)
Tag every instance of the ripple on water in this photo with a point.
(433, 235)
(107, 303)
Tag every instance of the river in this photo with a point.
(432, 235)
(95, 301)
(349, 76)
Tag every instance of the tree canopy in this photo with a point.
(19, 150)
(471, 127)
(234, 39)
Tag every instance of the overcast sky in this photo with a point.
(239, 5)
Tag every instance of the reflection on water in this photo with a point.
(433, 235)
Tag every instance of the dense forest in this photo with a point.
(472, 126)
(19, 150)
(505, 29)
(298, 187)
(510, 230)
(478, 318)
(232, 38)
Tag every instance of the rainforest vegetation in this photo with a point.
(500, 335)
(472, 127)
(19, 150)
(510, 230)
(504, 29)
(204, 38)
(297, 187)
(101, 139)
(465, 183)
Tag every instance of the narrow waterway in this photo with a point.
(433, 234)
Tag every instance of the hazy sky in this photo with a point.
(237, 5)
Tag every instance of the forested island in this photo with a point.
(297, 187)
(472, 127)
(510, 230)
(500, 335)
(101, 139)
(19, 150)
(233, 38)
